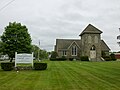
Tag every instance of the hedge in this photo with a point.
(113, 57)
(84, 58)
(40, 66)
(107, 58)
(58, 59)
(7, 66)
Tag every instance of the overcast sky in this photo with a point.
(48, 20)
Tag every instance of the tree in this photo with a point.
(35, 49)
(16, 38)
(42, 53)
(54, 54)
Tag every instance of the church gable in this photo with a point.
(65, 43)
(68, 47)
(74, 44)
(90, 29)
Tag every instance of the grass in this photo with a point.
(65, 75)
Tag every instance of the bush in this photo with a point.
(84, 58)
(58, 59)
(54, 54)
(107, 58)
(7, 66)
(53, 59)
(40, 66)
(61, 59)
(113, 57)
(71, 59)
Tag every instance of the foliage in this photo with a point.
(84, 58)
(7, 66)
(40, 66)
(58, 59)
(42, 53)
(35, 49)
(16, 38)
(103, 54)
(113, 57)
(107, 58)
(54, 54)
(71, 59)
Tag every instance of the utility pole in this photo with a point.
(38, 49)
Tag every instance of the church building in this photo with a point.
(89, 45)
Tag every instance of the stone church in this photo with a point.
(89, 45)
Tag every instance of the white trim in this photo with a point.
(72, 44)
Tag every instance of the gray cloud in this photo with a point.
(51, 19)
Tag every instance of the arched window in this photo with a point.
(74, 51)
(93, 47)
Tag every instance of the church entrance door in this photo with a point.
(92, 54)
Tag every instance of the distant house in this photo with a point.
(117, 55)
(89, 45)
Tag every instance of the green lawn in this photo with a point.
(65, 75)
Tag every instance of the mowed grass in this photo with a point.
(65, 75)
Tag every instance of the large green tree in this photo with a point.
(16, 38)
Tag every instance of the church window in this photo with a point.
(92, 48)
(74, 51)
(64, 53)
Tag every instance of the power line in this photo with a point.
(6, 5)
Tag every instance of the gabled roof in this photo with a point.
(90, 29)
(64, 44)
(104, 46)
(74, 42)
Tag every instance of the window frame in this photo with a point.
(74, 50)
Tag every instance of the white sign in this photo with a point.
(23, 58)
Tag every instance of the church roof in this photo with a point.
(90, 29)
(64, 44)
(104, 46)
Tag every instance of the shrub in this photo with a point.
(61, 59)
(71, 59)
(54, 54)
(58, 59)
(113, 57)
(53, 59)
(7, 66)
(23, 68)
(84, 58)
(107, 58)
(40, 66)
